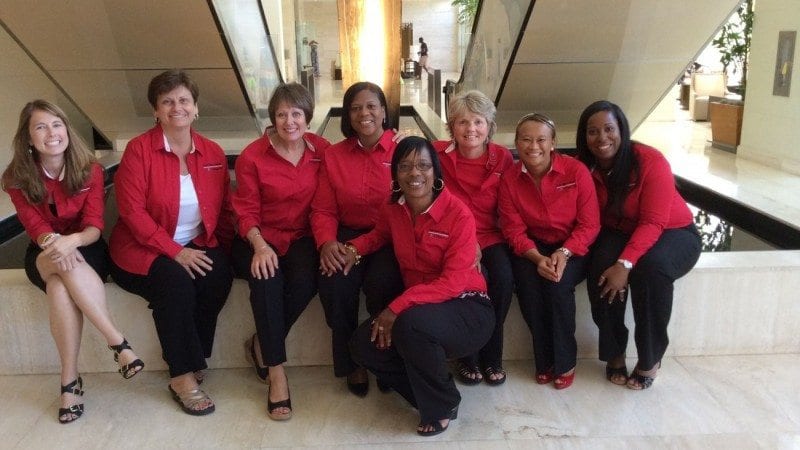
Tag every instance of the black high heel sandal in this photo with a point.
(74, 388)
(128, 370)
(261, 372)
(436, 426)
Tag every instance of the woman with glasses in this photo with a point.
(444, 311)
(472, 166)
(549, 214)
(648, 240)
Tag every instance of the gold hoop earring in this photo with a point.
(441, 184)
(395, 186)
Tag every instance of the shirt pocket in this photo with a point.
(432, 248)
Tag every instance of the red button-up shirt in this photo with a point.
(274, 195)
(653, 204)
(148, 186)
(562, 209)
(75, 212)
(483, 200)
(436, 251)
(353, 185)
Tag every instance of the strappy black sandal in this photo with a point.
(469, 374)
(65, 414)
(643, 381)
(489, 371)
(436, 426)
(130, 369)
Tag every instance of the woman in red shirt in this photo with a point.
(472, 166)
(277, 177)
(444, 311)
(172, 190)
(648, 240)
(354, 182)
(57, 188)
(549, 214)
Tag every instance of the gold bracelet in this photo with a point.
(48, 238)
(352, 249)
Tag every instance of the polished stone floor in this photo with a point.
(724, 402)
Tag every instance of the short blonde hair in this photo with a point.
(475, 102)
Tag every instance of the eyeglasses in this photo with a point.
(422, 166)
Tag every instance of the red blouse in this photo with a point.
(436, 252)
(653, 204)
(75, 212)
(353, 185)
(147, 186)
(482, 201)
(274, 195)
(562, 209)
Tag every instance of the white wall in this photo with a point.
(770, 131)
(436, 21)
(321, 22)
(20, 82)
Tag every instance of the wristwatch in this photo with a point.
(625, 263)
(566, 252)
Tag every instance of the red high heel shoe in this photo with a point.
(564, 381)
(545, 377)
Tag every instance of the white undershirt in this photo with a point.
(188, 214)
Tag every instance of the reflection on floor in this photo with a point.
(731, 402)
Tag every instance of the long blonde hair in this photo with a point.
(23, 171)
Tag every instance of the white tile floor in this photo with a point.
(730, 402)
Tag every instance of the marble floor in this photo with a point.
(723, 402)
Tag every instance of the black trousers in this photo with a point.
(496, 268)
(378, 275)
(651, 287)
(95, 254)
(184, 310)
(423, 338)
(549, 310)
(277, 302)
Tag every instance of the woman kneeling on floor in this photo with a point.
(444, 311)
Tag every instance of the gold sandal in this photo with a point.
(189, 399)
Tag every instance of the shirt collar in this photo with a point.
(167, 147)
(556, 164)
(384, 142)
(307, 142)
(437, 209)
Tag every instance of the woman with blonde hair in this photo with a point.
(56, 186)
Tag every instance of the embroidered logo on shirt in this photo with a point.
(438, 234)
(315, 160)
(212, 166)
(561, 187)
(86, 189)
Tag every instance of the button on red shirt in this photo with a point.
(75, 212)
(477, 188)
(436, 251)
(147, 186)
(562, 209)
(274, 195)
(653, 204)
(354, 183)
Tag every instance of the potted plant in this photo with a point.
(733, 43)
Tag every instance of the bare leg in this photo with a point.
(66, 323)
(85, 290)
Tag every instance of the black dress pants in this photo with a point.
(277, 302)
(378, 275)
(185, 310)
(496, 268)
(549, 310)
(651, 287)
(424, 337)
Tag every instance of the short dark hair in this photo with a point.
(293, 94)
(169, 80)
(413, 144)
(347, 101)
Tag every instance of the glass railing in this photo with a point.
(247, 34)
(497, 30)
